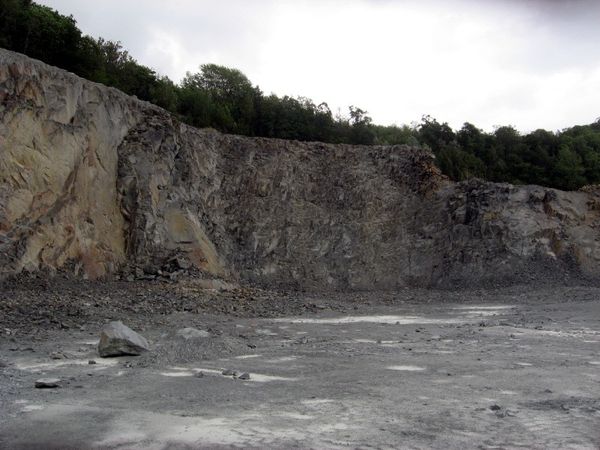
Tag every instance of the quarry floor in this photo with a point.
(515, 367)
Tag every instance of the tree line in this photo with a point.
(225, 99)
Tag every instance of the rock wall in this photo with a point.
(96, 182)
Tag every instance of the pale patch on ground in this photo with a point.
(281, 359)
(36, 366)
(406, 368)
(256, 377)
(29, 408)
(316, 401)
(486, 307)
(265, 332)
(177, 374)
(398, 320)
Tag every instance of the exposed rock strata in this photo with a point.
(94, 181)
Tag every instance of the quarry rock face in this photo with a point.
(95, 183)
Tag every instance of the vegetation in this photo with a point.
(225, 99)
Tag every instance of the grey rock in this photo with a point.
(58, 355)
(117, 339)
(229, 373)
(47, 383)
(183, 263)
(91, 361)
(244, 376)
(192, 333)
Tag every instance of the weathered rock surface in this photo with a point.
(95, 182)
(117, 339)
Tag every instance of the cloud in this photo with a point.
(530, 63)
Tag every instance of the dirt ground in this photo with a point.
(515, 367)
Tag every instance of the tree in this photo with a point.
(361, 131)
(568, 169)
(231, 93)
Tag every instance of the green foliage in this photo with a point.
(225, 99)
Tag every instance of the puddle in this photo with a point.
(400, 320)
(406, 368)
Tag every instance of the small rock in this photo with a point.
(199, 374)
(47, 383)
(183, 263)
(58, 355)
(244, 376)
(229, 373)
(495, 407)
(91, 361)
(117, 339)
(192, 333)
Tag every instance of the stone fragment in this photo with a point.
(117, 339)
(229, 373)
(192, 333)
(244, 376)
(47, 383)
(58, 355)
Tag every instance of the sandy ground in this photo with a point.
(507, 368)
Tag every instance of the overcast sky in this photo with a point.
(528, 63)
